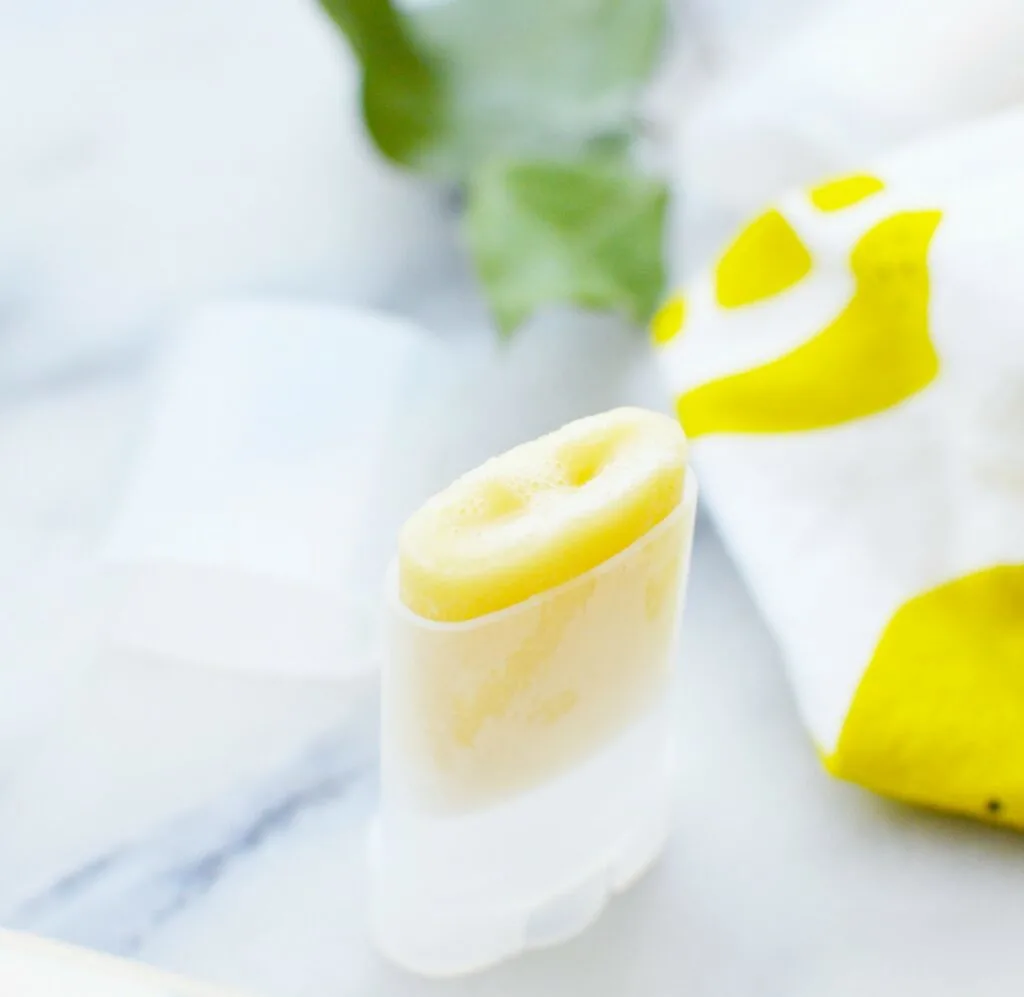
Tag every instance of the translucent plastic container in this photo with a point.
(527, 759)
(254, 534)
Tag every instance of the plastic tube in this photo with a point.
(526, 768)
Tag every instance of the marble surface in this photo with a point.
(213, 824)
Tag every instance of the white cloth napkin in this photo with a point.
(849, 81)
(851, 373)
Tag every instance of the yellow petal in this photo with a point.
(938, 718)
(845, 191)
(766, 258)
(876, 353)
(668, 322)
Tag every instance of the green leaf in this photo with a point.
(588, 232)
(450, 85)
(402, 92)
(530, 104)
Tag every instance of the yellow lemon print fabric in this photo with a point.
(855, 404)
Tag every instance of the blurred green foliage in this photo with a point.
(530, 106)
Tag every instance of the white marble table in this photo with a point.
(213, 823)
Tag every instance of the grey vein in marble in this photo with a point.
(115, 901)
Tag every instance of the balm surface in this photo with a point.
(541, 514)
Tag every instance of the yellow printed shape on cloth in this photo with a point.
(938, 717)
(873, 355)
(766, 258)
(843, 192)
(668, 322)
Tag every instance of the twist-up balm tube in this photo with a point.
(527, 735)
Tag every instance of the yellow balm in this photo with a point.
(541, 514)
